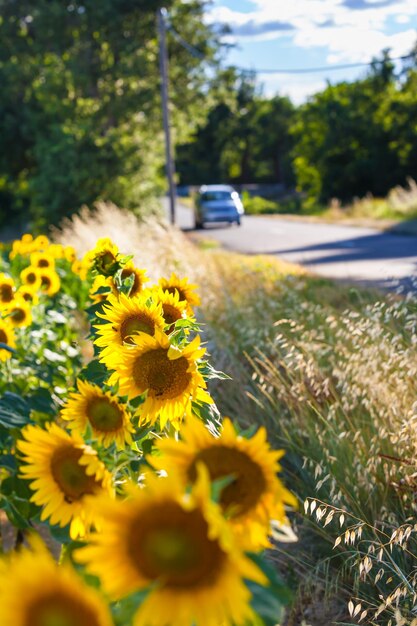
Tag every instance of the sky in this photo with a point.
(295, 34)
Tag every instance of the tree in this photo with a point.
(245, 138)
(359, 137)
(80, 106)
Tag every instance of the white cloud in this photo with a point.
(402, 19)
(294, 87)
(350, 45)
(346, 30)
(351, 34)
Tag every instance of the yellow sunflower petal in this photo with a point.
(64, 473)
(256, 496)
(178, 546)
(34, 590)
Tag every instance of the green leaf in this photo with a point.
(15, 517)
(146, 446)
(268, 602)
(209, 413)
(8, 461)
(219, 484)
(124, 610)
(60, 534)
(209, 372)
(4, 346)
(40, 400)
(95, 372)
(14, 411)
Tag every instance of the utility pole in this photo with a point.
(163, 67)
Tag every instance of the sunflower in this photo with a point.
(16, 249)
(31, 276)
(19, 313)
(43, 260)
(100, 289)
(92, 407)
(50, 282)
(124, 318)
(22, 246)
(103, 258)
(55, 250)
(179, 547)
(173, 309)
(27, 293)
(186, 291)
(79, 268)
(36, 591)
(6, 337)
(69, 253)
(139, 279)
(64, 472)
(169, 376)
(255, 498)
(40, 243)
(26, 238)
(7, 290)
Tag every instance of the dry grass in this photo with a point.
(331, 371)
(399, 204)
(155, 245)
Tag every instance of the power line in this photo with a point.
(327, 68)
(304, 70)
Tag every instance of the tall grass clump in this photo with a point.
(333, 377)
(330, 370)
(127, 498)
(400, 204)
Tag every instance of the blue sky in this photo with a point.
(313, 33)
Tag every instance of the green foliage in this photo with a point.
(349, 140)
(357, 138)
(80, 116)
(330, 374)
(245, 137)
(254, 205)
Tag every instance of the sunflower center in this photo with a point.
(170, 314)
(104, 415)
(18, 315)
(136, 284)
(248, 484)
(6, 293)
(162, 377)
(70, 476)
(46, 282)
(138, 323)
(59, 609)
(174, 289)
(3, 336)
(43, 263)
(105, 262)
(169, 544)
(31, 278)
(26, 295)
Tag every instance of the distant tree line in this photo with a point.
(80, 113)
(351, 139)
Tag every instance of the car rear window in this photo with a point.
(209, 196)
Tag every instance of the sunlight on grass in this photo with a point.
(331, 371)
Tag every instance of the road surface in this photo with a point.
(350, 253)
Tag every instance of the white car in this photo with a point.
(217, 203)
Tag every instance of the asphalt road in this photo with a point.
(350, 253)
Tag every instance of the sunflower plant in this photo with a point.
(113, 450)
